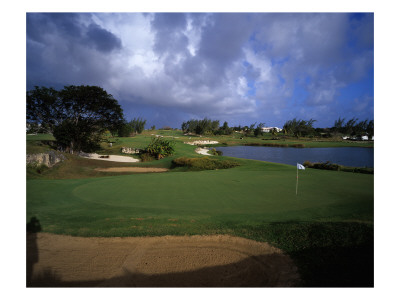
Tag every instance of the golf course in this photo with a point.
(326, 229)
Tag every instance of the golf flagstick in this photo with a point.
(299, 166)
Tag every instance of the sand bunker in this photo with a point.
(132, 169)
(203, 151)
(118, 158)
(169, 261)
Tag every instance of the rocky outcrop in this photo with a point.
(130, 150)
(49, 159)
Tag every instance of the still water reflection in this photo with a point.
(346, 156)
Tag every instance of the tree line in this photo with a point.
(351, 128)
(131, 128)
(294, 127)
(208, 126)
(78, 116)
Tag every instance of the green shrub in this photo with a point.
(335, 167)
(308, 164)
(203, 163)
(216, 152)
(160, 148)
(326, 166)
(146, 157)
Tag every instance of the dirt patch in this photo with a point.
(169, 261)
(132, 169)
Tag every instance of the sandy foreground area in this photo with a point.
(168, 261)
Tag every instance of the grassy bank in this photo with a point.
(327, 228)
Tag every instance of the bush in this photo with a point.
(203, 163)
(216, 152)
(146, 157)
(335, 167)
(160, 148)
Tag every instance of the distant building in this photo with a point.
(269, 129)
(362, 138)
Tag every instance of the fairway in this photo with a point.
(266, 194)
(327, 229)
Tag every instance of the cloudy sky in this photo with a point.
(236, 67)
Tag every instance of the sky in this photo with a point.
(307, 54)
(237, 67)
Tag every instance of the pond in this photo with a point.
(346, 156)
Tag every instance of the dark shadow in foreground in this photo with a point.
(32, 252)
(256, 271)
(337, 266)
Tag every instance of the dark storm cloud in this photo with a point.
(102, 39)
(223, 40)
(262, 66)
(67, 49)
(40, 25)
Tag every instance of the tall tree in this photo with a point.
(299, 127)
(370, 129)
(44, 108)
(77, 115)
(258, 130)
(349, 126)
(137, 125)
(338, 126)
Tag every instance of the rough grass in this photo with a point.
(336, 167)
(203, 163)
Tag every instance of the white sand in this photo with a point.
(203, 151)
(118, 158)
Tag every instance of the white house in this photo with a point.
(269, 129)
(363, 138)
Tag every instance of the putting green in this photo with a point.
(239, 196)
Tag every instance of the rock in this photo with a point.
(130, 150)
(49, 159)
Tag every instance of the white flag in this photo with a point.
(300, 167)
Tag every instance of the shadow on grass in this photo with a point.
(336, 266)
(327, 254)
(32, 252)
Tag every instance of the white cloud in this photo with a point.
(209, 64)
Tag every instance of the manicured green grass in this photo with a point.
(240, 195)
(327, 228)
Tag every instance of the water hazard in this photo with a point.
(346, 156)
